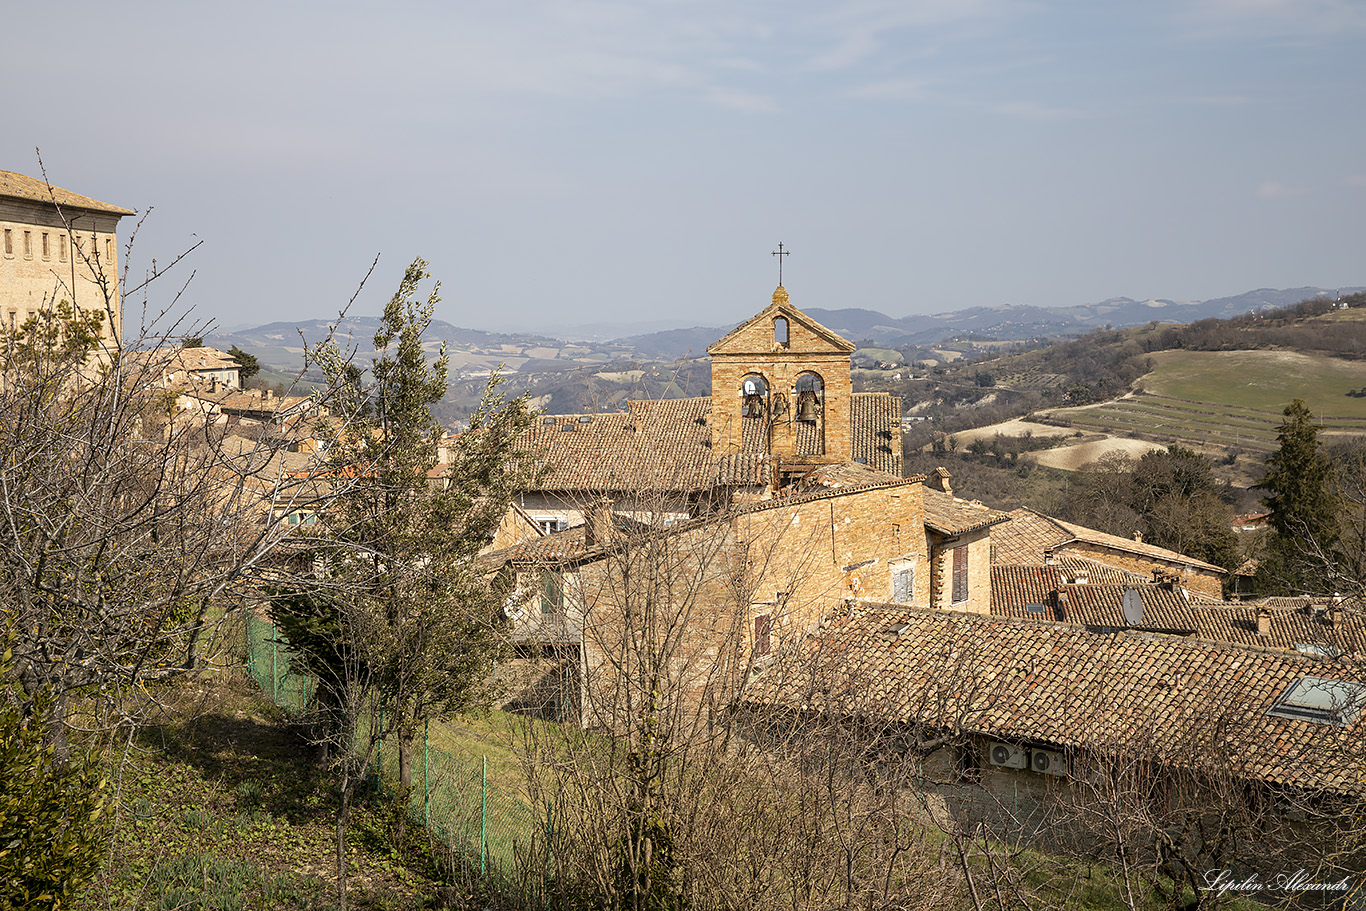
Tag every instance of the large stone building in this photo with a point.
(56, 245)
(782, 405)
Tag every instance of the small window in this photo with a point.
(109, 249)
(967, 763)
(552, 592)
(763, 640)
(780, 330)
(61, 247)
(903, 584)
(9, 242)
(47, 247)
(1321, 700)
(13, 326)
(28, 245)
(960, 573)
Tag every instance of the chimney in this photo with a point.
(599, 528)
(939, 480)
(1081, 578)
(1138, 537)
(1048, 558)
(1263, 623)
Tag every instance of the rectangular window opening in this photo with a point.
(28, 245)
(960, 573)
(967, 763)
(552, 592)
(61, 247)
(903, 585)
(47, 247)
(763, 640)
(9, 242)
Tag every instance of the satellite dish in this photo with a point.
(1133, 607)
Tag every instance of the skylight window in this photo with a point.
(1323, 701)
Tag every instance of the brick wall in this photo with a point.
(754, 349)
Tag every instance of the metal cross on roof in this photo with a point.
(780, 253)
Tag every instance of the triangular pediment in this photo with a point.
(755, 335)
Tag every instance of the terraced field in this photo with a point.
(1228, 399)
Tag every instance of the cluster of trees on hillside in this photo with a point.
(1170, 497)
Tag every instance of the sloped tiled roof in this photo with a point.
(874, 425)
(1098, 604)
(845, 475)
(1177, 700)
(949, 515)
(656, 445)
(1029, 534)
(665, 445)
(20, 186)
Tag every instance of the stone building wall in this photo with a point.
(42, 262)
(755, 348)
(1204, 582)
(978, 545)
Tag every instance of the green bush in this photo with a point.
(53, 826)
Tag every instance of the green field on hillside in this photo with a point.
(1260, 380)
(1228, 399)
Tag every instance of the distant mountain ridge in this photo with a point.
(281, 344)
(1005, 322)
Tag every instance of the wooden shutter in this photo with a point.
(762, 642)
(960, 573)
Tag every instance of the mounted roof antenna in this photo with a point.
(780, 253)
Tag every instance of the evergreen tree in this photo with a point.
(248, 364)
(396, 621)
(1303, 509)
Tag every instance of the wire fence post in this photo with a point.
(483, 815)
(426, 774)
(379, 751)
(274, 675)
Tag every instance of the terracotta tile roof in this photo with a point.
(20, 186)
(656, 445)
(1066, 687)
(1115, 542)
(844, 475)
(666, 445)
(949, 515)
(1026, 537)
(1029, 534)
(1098, 604)
(875, 429)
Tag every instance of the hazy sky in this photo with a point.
(570, 162)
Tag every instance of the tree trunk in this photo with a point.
(406, 736)
(343, 819)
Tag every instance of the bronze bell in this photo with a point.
(806, 410)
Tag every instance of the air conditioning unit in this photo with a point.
(1047, 762)
(1004, 754)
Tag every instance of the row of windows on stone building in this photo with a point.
(47, 242)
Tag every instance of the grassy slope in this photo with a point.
(1262, 380)
(220, 806)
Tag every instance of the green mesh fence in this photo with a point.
(490, 827)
